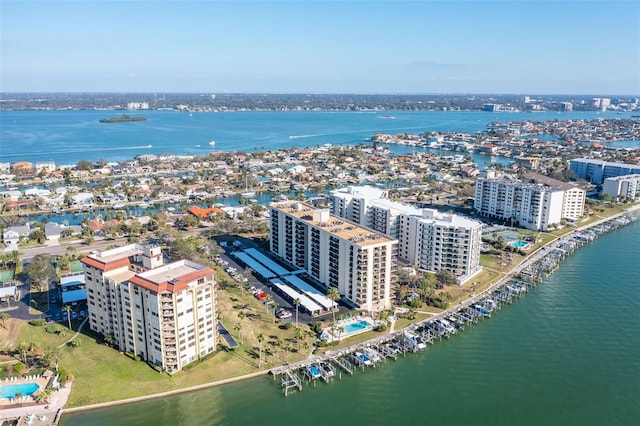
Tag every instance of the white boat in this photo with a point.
(446, 326)
(327, 369)
(249, 193)
(314, 372)
(212, 143)
(373, 355)
(413, 339)
(363, 358)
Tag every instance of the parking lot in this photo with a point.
(257, 286)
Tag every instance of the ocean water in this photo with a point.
(565, 354)
(67, 137)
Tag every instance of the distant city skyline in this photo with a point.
(526, 47)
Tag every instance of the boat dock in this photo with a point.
(415, 337)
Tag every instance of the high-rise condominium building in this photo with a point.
(428, 239)
(573, 199)
(334, 252)
(529, 205)
(622, 187)
(164, 313)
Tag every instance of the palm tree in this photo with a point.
(14, 258)
(67, 309)
(276, 344)
(260, 340)
(241, 315)
(296, 303)
(23, 350)
(238, 327)
(3, 317)
(267, 302)
(299, 335)
(334, 295)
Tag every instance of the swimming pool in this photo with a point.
(10, 391)
(356, 326)
(519, 244)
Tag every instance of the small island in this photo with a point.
(122, 118)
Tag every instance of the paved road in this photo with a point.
(228, 338)
(56, 248)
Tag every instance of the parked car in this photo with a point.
(283, 313)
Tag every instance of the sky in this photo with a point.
(517, 46)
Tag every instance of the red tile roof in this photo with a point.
(105, 266)
(174, 285)
(204, 213)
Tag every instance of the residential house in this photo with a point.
(12, 235)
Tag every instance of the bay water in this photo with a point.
(66, 137)
(567, 353)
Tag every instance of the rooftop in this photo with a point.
(172, 277)
(334, 225)
(548, 181)
(170, 272)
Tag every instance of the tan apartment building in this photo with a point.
(573, 199)
(164, 313)
(335, 252)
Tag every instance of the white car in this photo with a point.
(284, 314)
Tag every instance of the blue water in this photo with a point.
(66, 137)
(565, 354)
(356, 326)
(10, 391)
(519, 244)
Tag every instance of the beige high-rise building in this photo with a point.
(335, 252)
(164, 313)
(573, 198)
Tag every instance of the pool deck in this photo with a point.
(345, 322)
(42, 413)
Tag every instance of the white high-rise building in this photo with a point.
(619, 187)
(530, 205)
(428, 239)
(137, 105)
(334, 252)
(573, 199)
(164, 313)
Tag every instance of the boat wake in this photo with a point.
(305, 136)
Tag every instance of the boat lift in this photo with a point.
(290, 380)
(387, 352)
(344, 363)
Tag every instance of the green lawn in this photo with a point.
(103, 374)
